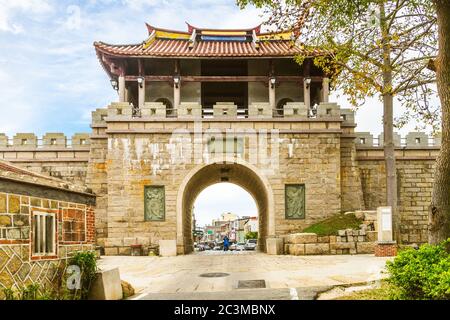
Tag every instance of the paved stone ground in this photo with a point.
(286, 277)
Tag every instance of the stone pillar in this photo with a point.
(142, 94)
(272, 95)
(326, 90)
(385, 247)
(307, 94)
(122, 89)
(176, 95)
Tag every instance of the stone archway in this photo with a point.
(236, 172)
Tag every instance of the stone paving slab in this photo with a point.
(166, 276)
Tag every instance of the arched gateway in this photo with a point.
(148, 165)
(238, 172)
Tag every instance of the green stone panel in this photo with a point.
(21, 220)
(6, 279)
(295, 201)
(13, 204)
(3, 258)
(25, 209)
(2, 203)
(154, 203)
(46, 204)
(5, 221)
(24, 271)
(35, 202)
(25, 200)
(14, 264)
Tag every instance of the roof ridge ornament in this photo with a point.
(192, 39)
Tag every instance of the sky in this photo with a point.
(232, 199)
(51, 80)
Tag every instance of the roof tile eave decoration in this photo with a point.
(180, 48)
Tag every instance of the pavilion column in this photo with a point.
(326, 90)
(272, 95)
(307, 94)
(122, 89)
(142, 94)
(176, 95)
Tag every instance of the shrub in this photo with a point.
(87, 262)
(421, 274)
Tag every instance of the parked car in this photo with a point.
(217, 248)
(240, 246)
(251, 244)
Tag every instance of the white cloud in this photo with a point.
(9, 10)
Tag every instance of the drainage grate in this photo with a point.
(214, 275)
(251, 284)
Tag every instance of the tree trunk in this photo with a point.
(388, 126)
(439, 219)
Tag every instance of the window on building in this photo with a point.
(44, 229)
(53, 141)
(83, 142)
(24, 142)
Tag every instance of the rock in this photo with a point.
(302, 238)
(167, 248)
(341, 232)
(127, 289)
(297, 249)
(365, 247)
(342, 245)
(372, 236)
(317, 248)
(275, 246)
(106, 286)
(324, 239)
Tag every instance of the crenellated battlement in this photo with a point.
(416, 140)
(222, 111)
(50, 141)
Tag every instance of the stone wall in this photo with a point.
(415, 169)
(128, 154)
(52, 155)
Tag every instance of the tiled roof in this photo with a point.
(12, 172)
(210, 43)
(205, 49)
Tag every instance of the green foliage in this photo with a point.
(373, 48)
(251, 235)
(30, 292)
(87, 262)
(331, 225)
(422, 274)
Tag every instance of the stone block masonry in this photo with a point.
(52, 155)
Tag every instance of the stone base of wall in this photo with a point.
(386, 249)
(310, 244)
(17, 271)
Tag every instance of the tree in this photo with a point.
(377, 47)
(440, 204)
(251, 235)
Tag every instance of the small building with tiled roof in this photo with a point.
(42, 221)
(207, 66)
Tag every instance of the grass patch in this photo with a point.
(382, 293)
(330, 226)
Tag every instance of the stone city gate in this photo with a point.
(206, 106)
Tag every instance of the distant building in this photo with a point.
(251, 225)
